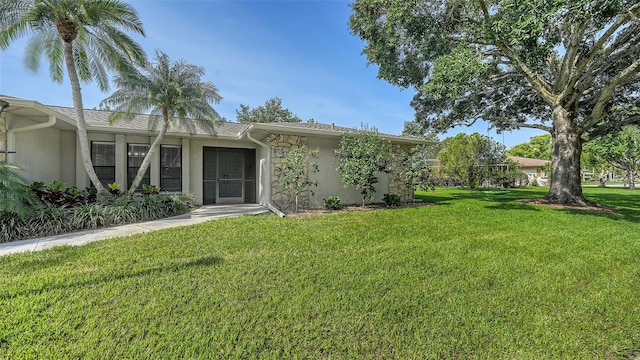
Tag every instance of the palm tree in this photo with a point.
(86, 36)
(171, 93)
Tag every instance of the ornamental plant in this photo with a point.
(360, 157)
(417, 172)
(295, 169)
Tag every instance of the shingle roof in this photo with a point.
(140, 122)
(100, 118)
(528, 162)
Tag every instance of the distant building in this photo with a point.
(534, 168)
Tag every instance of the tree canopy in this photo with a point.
(271, 111)
(471, 158)
(567, 67)
(538, 147)
(621, 150)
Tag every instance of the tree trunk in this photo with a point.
(79, 109)
(565, 186)
(147, 159)
(632, 180)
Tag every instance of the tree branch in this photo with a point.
(595, 50)
(607, 92)
(548, 129)
(606, 128)
(569, 61)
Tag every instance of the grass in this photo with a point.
(477, 276)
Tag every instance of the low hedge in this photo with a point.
(48, 219)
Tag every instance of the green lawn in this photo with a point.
(476, 276)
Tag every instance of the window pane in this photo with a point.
(103, 156)
(171, 168)
(135, 156)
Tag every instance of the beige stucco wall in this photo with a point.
(40, 154)
(329, 182)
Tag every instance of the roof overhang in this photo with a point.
(37, 112)
(264, 129)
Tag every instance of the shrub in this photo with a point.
(114, 188)
(150, 190)
(296, 167)
(121, 214)
(48, 220)
(391, 199)
(12, 226)
(418, 173)
(14, 194)
(360, 157)
(90, 216)
(332, 203)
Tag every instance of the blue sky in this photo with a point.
(300, 51)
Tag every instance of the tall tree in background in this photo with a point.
(621, 150)
(570, 68)
(86, 36)
(471, 158)
(538, 147)
(172, 93)
(271, 111)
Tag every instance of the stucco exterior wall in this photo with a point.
(330, 184)
(39, 154)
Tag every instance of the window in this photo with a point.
(135, 157)
(170, 167)
(103, 157)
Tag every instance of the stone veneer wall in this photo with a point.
(280, 147)
(396, 183)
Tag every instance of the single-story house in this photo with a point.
(534, 168)
(236, 165)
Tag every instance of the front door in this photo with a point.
(230, 176)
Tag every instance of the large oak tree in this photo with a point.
(567, 67)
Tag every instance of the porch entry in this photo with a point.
(229, 175)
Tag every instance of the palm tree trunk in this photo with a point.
(147, 159)
(79, 108)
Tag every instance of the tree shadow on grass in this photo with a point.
(619, 214)
(109, 275)
(512, 205)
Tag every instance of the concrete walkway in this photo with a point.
(202, 214)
